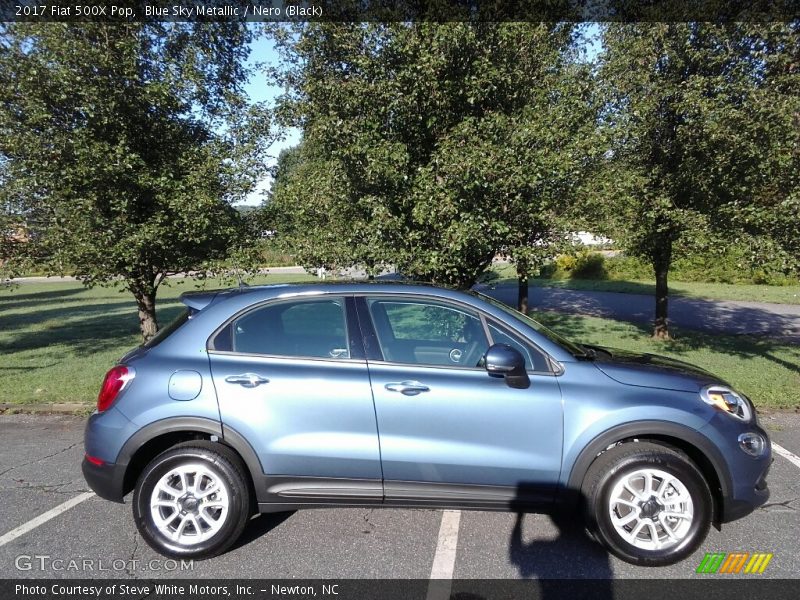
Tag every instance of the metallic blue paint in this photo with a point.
(335, 419)
(185, 385)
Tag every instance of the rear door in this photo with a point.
(291, 378)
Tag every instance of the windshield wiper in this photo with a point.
(587, 354)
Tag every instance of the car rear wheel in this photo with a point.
(192, 501)
(648, 503)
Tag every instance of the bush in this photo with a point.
(548, 271)
(589, 265)
(585, 264)
(566, 263)
(273, 256)
(728, 267)
(628, 268)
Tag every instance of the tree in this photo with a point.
(130, 142)
(679, 102)
(432, 142)
(760, 149)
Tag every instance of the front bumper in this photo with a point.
(743, 478)
(747, 498)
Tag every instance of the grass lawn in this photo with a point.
(58, 339)
(780, 294)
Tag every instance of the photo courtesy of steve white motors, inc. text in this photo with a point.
(143, 590)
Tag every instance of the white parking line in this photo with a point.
(444, 561)
(43, 518)
(781, 451)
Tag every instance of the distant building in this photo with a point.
(590, 239)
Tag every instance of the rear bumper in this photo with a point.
(105, 480)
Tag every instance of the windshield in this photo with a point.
(551, 335)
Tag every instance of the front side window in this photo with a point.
(313, 328)
(427, 333)
(535, 360)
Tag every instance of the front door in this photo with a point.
(291, 378)
(448, 431)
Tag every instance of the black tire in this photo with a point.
(226, 466)
(608, 470)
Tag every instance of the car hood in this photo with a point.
(652, 370)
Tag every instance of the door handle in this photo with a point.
(248, 380)
(407, 388)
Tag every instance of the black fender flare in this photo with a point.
(204, 425)
(644, 429)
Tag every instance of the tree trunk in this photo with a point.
(146, 303)
(661, 264)
(522, 286)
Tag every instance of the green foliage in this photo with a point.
(565, 262)
(700, 120)
(124, 146)
(630, 268)
(589, 265)
(730, 266)
(429, 146)
(582, 264)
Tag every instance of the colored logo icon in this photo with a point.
(734, 562)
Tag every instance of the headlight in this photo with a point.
(725, 399)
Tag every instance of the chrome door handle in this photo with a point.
(408, 388)
(248, 380)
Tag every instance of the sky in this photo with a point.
(258, 88)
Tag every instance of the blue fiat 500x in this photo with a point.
(275, 398)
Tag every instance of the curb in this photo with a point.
(63, 408)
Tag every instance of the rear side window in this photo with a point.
(313, 328)
(165, 332)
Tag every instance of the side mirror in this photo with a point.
(505, 361)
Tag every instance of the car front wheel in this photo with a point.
(192, 501)
(648, 503)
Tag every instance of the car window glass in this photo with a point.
(534, 359)
(303, 328)
(428, 333)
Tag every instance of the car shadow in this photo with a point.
(569, 565)
(571, 554)
(260, 525)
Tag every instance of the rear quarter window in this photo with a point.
(169, 329)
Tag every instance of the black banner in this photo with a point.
(750, 587)
(399, 10)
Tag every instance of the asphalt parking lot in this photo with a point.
(40, 470)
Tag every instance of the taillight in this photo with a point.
(115, 381)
